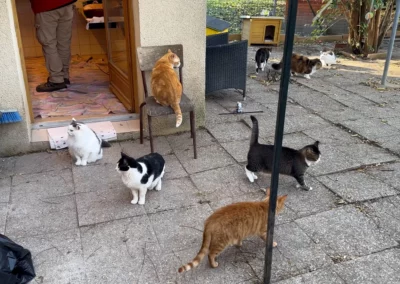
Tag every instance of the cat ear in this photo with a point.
(169, 50)
(268, 192)
(123, 155)
(281, 199)
(316, 144)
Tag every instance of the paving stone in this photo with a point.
(186, 224)
(7, 167)
(43, 162)
(386, 215)
(219, 183)
(209, 157)
(389, 173)
(356, 186)
(57, 257)
(332, 160)
(366, 154)
(295, 140)
(237, 149)
(308, 121)
(322, 276)
(5, 188)
(369, 269)
(173, 168)
(296, 253)
(111, 155)
(393, 121)
(266, 124)
(96, 177)
(213, 111)
(134, 149)
(232, 267)
(345, 232)
(392, 143)
(176, 193)
(227, 132)
(182, 141)
(304, 203)
(331, 135)
(3, 217)
(119, 251)
(41, 203)
(342, 116)
(371, 128)
(316, 101)
(107, 203)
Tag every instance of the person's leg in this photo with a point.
(46, 32)
(64, 35)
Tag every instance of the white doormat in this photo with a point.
(58, 136)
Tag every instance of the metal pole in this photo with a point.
(391, 43)
(280, 121)
(274, 9)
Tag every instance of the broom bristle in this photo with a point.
(9, 116)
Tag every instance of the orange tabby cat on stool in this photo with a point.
(229, 225)
(165, 85)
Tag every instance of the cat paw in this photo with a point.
(306, 187)
(307, 76)
(84, 163)
(134, 201)
(274, 244)
(255, 177)
(214, 265)
(158, 187)
(78, 163)
(141, 202)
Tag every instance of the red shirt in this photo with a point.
(39, 6)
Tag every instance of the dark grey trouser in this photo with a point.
(54, 32)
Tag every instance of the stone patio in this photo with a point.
(81, 228)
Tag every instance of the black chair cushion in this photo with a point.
(155, 109)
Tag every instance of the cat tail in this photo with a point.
(177, 109)
(254, 131)
(277, 66)
(199, 257)
(105, 144)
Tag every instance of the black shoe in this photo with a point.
(50, 87)
(66, 81)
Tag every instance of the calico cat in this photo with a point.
(302, 65)
(83, 143)
(141, 174)
(231, 224)
(293, 162)
(327, 57)
(165, 85)
(262, 56)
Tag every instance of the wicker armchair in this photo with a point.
(226, 64)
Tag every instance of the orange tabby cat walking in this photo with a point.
(165, 85)
(229, 225)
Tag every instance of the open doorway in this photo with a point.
(91, 93)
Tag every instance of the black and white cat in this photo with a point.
(141, 174)
(293, 162)
(83, 143)
(262, 56)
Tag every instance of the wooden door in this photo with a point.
(121, 60)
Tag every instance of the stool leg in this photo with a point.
(193, 132)
(150, 134)
(141, 122)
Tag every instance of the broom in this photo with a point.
(9, 116)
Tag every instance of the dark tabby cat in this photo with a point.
(302, 65)
(293, 162)
(262, 56)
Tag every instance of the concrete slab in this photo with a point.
(217, 184)
(331, 135)
(332, 160)
(322, 276)
(343, 115)
(57, 257)
(5, 188)
(209, 157)
(386, 215)
(135, 149)
(389, 174)
(345, 233)
(186, 224)
(43, 162)
(111, 155)
(237, 149)
(106, 204)
(296, 253)
(227, 132)
(7, 167)
(366, 154)
(175, 193)
(356, 186)
(369, 269)
(182, 141)
(173, 168)
(371, 128)
(3, 217)
(118, 251)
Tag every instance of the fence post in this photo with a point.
(280, 121)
